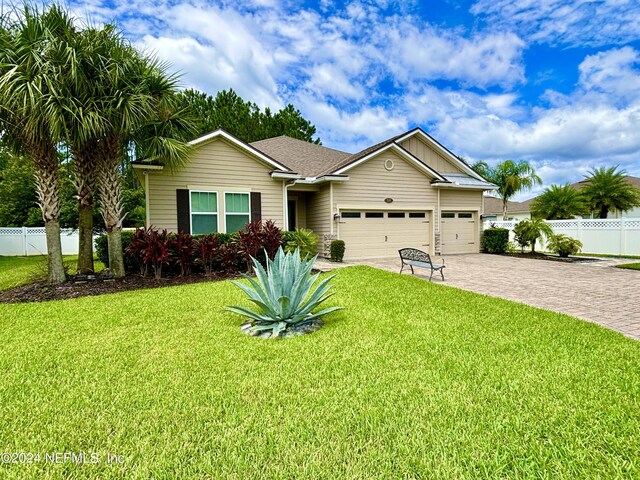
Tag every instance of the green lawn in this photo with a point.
(630, 266)
(412, 380)
(16, 271)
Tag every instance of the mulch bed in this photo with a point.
(553, 258)
(84, 286)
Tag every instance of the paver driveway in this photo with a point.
(592, 291)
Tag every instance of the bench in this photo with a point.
(412, 257)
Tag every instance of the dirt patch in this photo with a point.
(84, 286)
(553, 258)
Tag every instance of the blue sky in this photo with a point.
(553, 82)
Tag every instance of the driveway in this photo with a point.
(594, 291)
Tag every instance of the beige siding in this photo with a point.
(464, 201)
(429, 156)
(319, 212)
(216, 166)
(370, 183)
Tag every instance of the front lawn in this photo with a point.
(15, 271)
(413, 379)
(630, 266)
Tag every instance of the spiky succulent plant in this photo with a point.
(284, 294)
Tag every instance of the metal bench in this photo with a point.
(412, 257)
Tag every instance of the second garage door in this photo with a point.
(458, 232)
(379, 234)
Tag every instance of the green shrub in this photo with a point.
(336, 250)
(563, 245)
(527, 232)
(284, 294)
(131, 262)
(495, 240)
(302, 239)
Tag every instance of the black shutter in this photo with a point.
(182, 200)
(256, 206)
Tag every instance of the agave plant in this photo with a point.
(284, 295)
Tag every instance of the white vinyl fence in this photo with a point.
(620, 236)
(32, 241)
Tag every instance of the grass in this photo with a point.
(605, 255)
(412, 380)
(15, 271)
(630, 266)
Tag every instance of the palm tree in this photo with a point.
(31, 111)
(558, 202)
(135, 94)
(606, 189)
(510, 177)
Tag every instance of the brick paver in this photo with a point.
(596, 291)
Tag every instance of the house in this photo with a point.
(408, 191)
(515, 210)
(522, 210)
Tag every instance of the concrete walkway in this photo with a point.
(593, 291)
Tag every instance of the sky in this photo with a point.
(553, 82)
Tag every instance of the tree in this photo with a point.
(527, 232)
(510, 177)
(31, 115)
(243, 119)
(558, 202)
(17, 190)
(607, 189)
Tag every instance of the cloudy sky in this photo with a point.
(555, 82)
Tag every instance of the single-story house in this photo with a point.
(408, 191)
(522, 210)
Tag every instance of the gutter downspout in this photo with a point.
(285, 187)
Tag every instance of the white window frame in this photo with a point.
(192, 213)
(224, 200)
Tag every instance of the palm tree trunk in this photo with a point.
(84, 178)
(604, 212)
(505, 212)
(111, 202)
(47, 191)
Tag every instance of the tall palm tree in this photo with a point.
(511, 177)
(607, 189)
(31, 110)
(558, 202)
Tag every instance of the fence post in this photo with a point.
(580, 229)
(24, 241)
(623, 237)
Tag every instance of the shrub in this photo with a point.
(495, 240)
(284, 294)
(563, 245)
(207, 250)
(131, 263)
(302, 239)
(336, 250)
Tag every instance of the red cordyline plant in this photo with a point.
(256, 238)
(207, 249)
(152, 248)
(183, 247)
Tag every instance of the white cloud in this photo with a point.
(569, 22)
(614, 72)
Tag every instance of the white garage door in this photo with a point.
(379, 234)
(458, 232)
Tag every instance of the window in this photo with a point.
(204, 212)
(374, 215)
(448, 215)
(396, 215)
(416, 215)
(236, 211)
(350, 214)
(465, 215)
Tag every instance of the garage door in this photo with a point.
(379, 234)
(458, 232)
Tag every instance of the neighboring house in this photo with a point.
(408, 191)
(515, 210)
(522, 210)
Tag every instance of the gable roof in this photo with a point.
(307, 159)
(493, 206)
